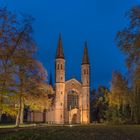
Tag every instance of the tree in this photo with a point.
(30, 75)
(119, 97)
(8, 35)
(103, 102)
(128, 41)
(93, 105)
(23, 78)
(99, 104)
(136, 96)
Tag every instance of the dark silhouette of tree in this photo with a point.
(128, 41)
(99, 104)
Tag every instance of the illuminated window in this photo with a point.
(72, 100)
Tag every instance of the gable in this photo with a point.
(73, 84)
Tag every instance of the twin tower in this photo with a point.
(71, 104)
(72, 101)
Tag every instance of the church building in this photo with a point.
(72, 97)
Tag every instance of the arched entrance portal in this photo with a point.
(74, 119)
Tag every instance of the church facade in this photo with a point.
(72, 97)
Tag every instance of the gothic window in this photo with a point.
(72, 100)
(61, 116)
(61, 104)
(61, 92)
(61, 77)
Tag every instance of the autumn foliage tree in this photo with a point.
(23, 78)
(8, 35)
(128, 41)
(119, 98)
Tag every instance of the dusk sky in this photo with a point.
(94, 21)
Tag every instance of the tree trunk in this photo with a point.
(131, 106)
(19, 118)
(22, 114)
(0, 117)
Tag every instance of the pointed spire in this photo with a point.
(85, 56)
(59, 53)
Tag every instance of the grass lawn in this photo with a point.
(90, 132)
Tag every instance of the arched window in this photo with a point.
(58, 66)
(84, 71)
(61, 66)
(87, 71)
(72, 100)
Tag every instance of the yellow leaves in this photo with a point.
(9, 109)
(38, 98)
(22, 77)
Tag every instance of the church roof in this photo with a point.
(85, 56)
(59, 53)
(73, 80)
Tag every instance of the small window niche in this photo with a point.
(61, 67)
(58, 66)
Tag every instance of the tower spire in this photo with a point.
(85, 56)
(59, 53)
